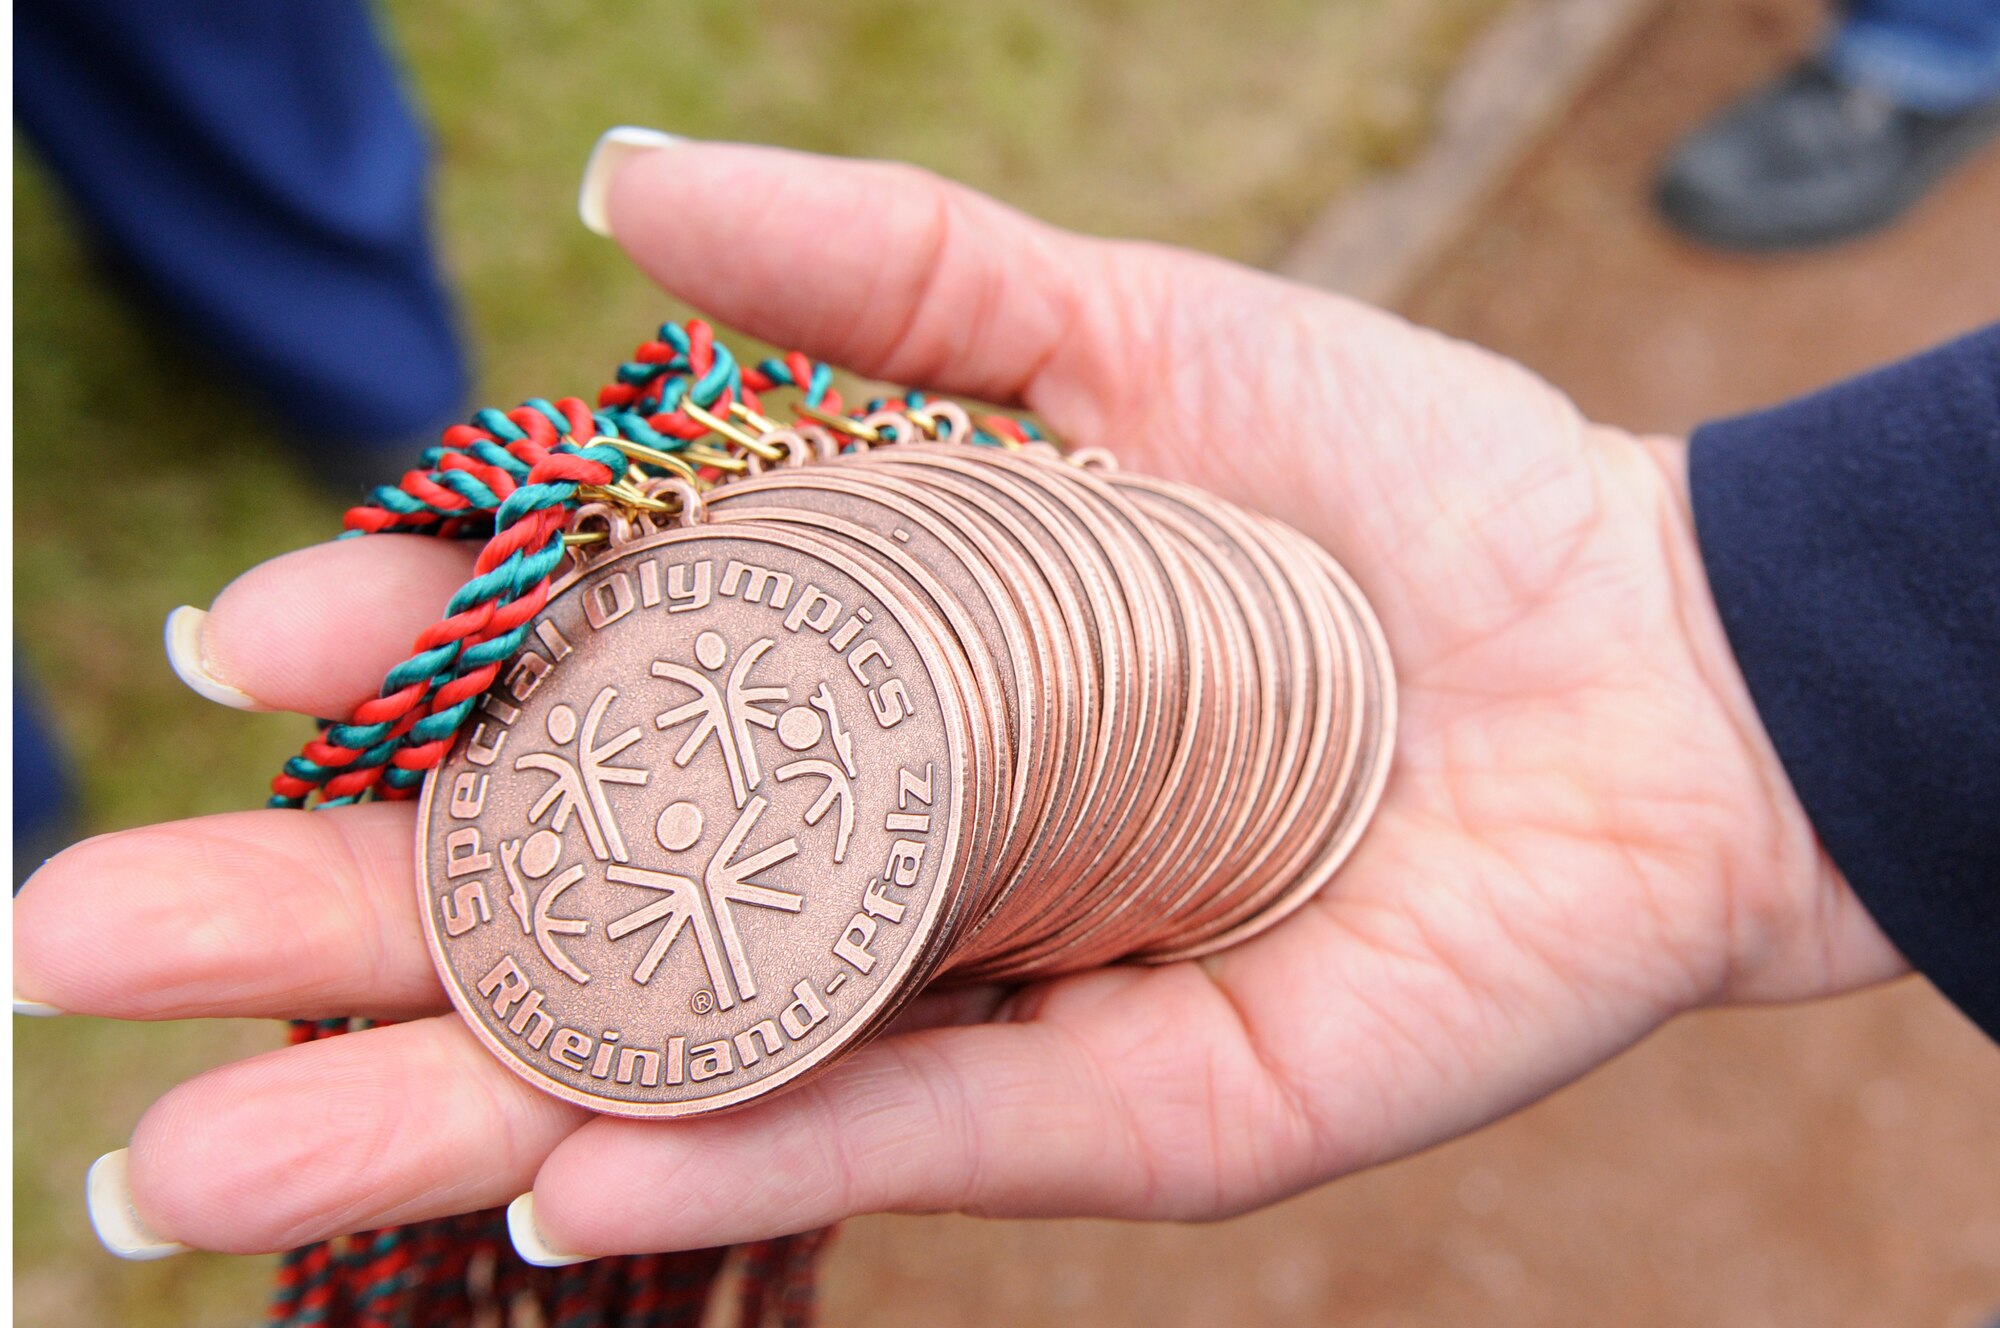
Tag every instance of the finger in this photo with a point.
(1091, 1110)
(314, 631)
(373, 1129)
(881, 268)
(266, 914)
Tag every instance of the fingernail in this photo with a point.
(528, 1242)
(108, 1192)
(35, 1009)
(184, 653)
(611, 150)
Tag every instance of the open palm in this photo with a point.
(1585, 834)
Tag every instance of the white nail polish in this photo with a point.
(183, 634)
(108, 1193)
(527, 1238)
(612, 148)
(35, 1009)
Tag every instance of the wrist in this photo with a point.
(1792, 927)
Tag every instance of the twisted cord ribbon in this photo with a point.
(393, 739)
(513, 478)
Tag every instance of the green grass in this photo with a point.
(143, 483)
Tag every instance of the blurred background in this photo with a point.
(1832, 1165)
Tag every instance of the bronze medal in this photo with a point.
(1206, 794)
(1363, 779)
(701, 834)
(1117, 920)
(1140, 563)
(1275, 668)
(1106, 637)
(1291, 691)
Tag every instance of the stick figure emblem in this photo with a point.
(706, 907)
(579, 786)
(723, 712)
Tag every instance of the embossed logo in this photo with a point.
(710, 872)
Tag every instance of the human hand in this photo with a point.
(1586, 832)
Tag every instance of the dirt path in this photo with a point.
(1570, 273)
(1825, 1166)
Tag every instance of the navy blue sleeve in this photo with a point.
(1852, 539)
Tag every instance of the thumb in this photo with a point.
(880, 268)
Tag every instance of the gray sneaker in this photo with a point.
(1809, 160)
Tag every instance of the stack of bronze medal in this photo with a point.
(780, 754)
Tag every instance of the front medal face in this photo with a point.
(700, 836)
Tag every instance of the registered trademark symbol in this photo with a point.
(703, 1001)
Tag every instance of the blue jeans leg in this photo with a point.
(1938, 56)
(258, 168)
